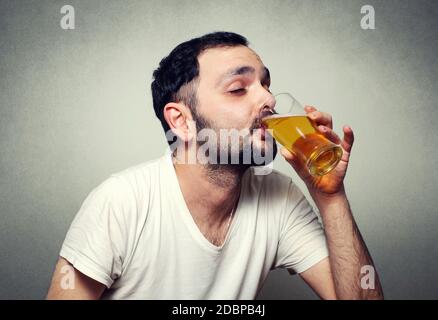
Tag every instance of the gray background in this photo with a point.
(75, 106)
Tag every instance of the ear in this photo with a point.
(180, 121)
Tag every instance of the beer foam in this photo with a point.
(286, 115)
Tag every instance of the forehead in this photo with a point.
(214, 62)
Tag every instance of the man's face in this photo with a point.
(233, 93)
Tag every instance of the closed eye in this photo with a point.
(238, 91)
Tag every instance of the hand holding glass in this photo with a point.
(292, 128)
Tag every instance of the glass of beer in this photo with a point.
(291, 127)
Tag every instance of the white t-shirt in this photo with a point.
(135, 234)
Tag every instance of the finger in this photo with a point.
(289, 156)
(329, 134)
(321, 118)
(309, 109)
(348, 141)
(296, 163)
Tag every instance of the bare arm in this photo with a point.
(348, 253)
(320, 279)
(339, 276)
(77, 287)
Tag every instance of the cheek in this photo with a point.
(240, 117)
(227, 113)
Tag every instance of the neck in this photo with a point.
(211, 191)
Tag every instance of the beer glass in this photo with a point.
(291, 127)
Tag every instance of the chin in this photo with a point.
(263, 152)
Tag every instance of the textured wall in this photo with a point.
(75, 106)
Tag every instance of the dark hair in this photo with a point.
(181, 67)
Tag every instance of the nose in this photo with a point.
(270, 102)
(267, 104)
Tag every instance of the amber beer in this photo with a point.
(299, 135)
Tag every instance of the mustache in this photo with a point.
(257, 123)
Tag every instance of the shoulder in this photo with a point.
(139, 171)
(127, 188)
(138, 179)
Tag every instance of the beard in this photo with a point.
(239, 154)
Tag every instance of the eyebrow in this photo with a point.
(245, 70)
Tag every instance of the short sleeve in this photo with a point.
(94, 242)
(302, 241)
